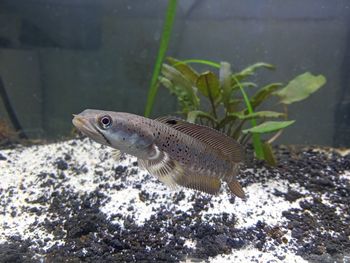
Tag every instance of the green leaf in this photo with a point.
(258, 114)
(181, 87)
(187, 71)
(208, 85)
(172, 61)
(245, 85)
(256, 137)
(201, 61)
(175, 76)
(193, 115)
(264, 93)
(251, 70)
(164, 41)
(166, 83)
(268, 154)
(186, 102)
(300, 88)
(269, 126)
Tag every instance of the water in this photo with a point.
(60, 57)
(73, 201)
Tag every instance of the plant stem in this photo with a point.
(273, 138)
(279, 133)
(246, 138)
(238, 129)
(169, 21)
(256, 138)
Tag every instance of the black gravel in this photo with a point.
(321, 229)
(16, 250)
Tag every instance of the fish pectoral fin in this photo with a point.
(236, 188)
(162, 167)
(204, 183)
(117, 154)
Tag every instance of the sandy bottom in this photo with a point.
(74, 201)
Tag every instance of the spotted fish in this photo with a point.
(173, 150)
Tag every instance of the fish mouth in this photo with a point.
(83, 125)
(78, 121)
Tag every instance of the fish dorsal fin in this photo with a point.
(226, 145)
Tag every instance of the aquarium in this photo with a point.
(174, 131)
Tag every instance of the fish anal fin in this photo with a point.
(231, 149)
(236, 188)
(204, 183)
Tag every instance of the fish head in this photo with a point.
(122, 131)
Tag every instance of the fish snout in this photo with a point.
(78, 121)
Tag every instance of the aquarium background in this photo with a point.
(58, 57)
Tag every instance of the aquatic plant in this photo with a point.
(229, 105)
(167, 28)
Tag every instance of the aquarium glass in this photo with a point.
(59, 57)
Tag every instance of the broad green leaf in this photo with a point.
(257, 115)
(193, 115)
(181, 87)
(187, 71)
(268, 154)
(251, 70)
(269, 126)
(225, 82)
(300, 88)
(208, 85)
(264, 93)
(175, 76)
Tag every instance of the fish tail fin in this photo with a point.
(236, 188)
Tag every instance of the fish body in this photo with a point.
(175, 151)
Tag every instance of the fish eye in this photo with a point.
(105, 122)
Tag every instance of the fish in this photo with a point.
(175, 151)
